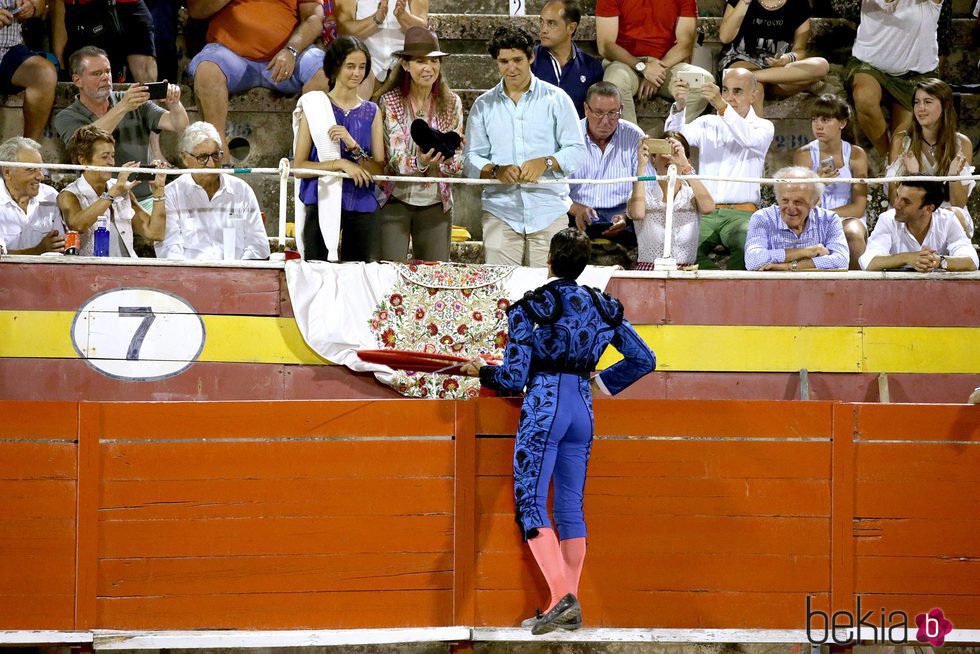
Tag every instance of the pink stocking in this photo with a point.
(573, 553)
(547, 554)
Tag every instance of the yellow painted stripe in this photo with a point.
(251, 339)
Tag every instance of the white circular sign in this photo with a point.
(138, 334)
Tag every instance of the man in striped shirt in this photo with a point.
(611, 144)
(795, 233)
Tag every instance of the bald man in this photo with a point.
(731, 143)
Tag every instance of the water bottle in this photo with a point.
(102, 237)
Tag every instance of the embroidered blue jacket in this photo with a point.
(562, 327)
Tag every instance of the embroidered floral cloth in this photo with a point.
(444, 308)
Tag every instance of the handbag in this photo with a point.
(94, 23)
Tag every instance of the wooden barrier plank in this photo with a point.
(341, 418)
(328, 572)
(39, 420)
(961, 610)
(908, 497)
(281, 536)
(27, 612)
(920, 462)
(208, 290)
(349, 610)
(679, 496)
(263, 497)
(31, 460)
(914, 423)
(682, 459)
(281, 459)
(659, 610)
(842, 548)
(464, 514)
(37, 498)
(42, 573)
(682, 534)
(919, 575)
(91, 418)
(666, 572)
(917, 537)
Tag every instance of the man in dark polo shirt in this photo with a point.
(558, 60)
(128, 115)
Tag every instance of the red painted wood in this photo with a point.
(65, 287)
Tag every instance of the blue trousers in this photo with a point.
(553, 443)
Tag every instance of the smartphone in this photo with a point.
(658, 146)
(827, 163)
(695, 80)
(15, 10)
(158, 90)
(141, 177)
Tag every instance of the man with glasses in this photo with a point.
(210, 216)
(30, 222)
(611, 144)
(128, 115)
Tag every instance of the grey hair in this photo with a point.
(801, 173)
(10, 148)
(605, 89)
(725, 73)
(196, 134)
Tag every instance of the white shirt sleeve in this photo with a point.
(958, 244)
(256, 238)
(753, 135)
(882, 239)
(172, 245)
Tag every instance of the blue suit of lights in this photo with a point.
(556, 335)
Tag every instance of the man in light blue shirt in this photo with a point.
(796, 234)
(519, 132)
(611, 146)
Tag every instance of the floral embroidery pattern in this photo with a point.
(445, 309)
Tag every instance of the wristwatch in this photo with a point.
(943, 263)
(291, 50)
(794, 264)
(549, 163)
(639, 67)
(106, 195)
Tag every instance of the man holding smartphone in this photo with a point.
(128, 115)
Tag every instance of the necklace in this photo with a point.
(772, 4)
(931, 147)
(344, 109)
(422, 111)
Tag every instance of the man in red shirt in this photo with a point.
(644, 45)
(255, 43)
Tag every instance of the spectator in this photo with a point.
(416, 90)
(357, 126)
(610, 152)
(210, 214)
(796, 233)
(128, 115)
(732, 143)
(830, 156)
(919, 233)
(933, 146)
(557, 60)
(519, 132)
(122, 28)
(29, 218)
(381, 25)
(21, 69)
(648, 205)
(166, 23)
(644, 45)
(95, 194)
(255, 43)
(896, 45)
(771, 39)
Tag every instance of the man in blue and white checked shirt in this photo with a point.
(521, 131)
(796, 234)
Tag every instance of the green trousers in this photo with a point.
(727, 227)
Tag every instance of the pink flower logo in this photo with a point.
(933, 627)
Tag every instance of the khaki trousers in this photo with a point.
(502, 246)
(628, 83)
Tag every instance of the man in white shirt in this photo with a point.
(731, 143)
(895, 47)
(30, 222)
(210, 216)
(919, 234)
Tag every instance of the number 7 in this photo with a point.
(146, 313)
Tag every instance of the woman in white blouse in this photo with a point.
(95, 193)
(648, 205)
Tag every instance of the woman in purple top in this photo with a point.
(360, 133)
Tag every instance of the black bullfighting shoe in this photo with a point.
(566, 614)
